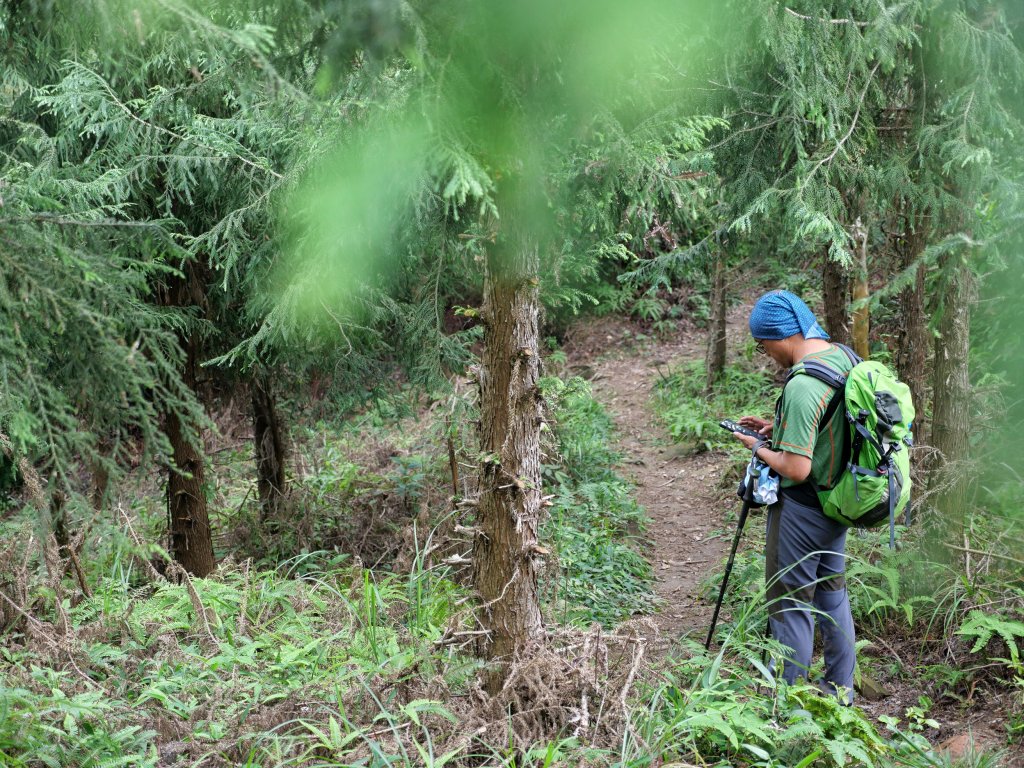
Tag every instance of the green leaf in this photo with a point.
(757, 751)
(809, 759)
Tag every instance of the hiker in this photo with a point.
(805, 550)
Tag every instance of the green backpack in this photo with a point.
(879, 413)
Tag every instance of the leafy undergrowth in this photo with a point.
(944, 650)
(321, 663)
(951, 639)
(593, 518)
(728, 709)
(315, 660)
(692, 415)
(248, 667)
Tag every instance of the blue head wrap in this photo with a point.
(781, 314)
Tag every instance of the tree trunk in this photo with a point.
(59, 518)
(505, 545)
(716, 349)
(951, 392)
(100, 475)
(835, 285)
(912, 350)
(270, 450)
(188, 518)
(861, 315)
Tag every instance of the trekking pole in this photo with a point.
(748, 495)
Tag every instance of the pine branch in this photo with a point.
(166, 131)
(853, 125)
(791, 12)
(64, 221)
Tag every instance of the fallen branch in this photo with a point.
(73, 549)
(996, 555)
(137, 540)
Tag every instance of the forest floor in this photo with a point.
(685, 494)
(688, 498)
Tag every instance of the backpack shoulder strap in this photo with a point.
(821, 372)
(830, 376)
(854, 357)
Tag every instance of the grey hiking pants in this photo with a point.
(804, 567)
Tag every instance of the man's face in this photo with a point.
(777, 350)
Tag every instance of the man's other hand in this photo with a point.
(757, 424)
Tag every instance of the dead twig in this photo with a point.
(876, 639)
(982, 553)
(73, 549)
(856, 23)
(137, 540)
(202, 617)
(55, 571)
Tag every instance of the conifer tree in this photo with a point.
(90, 364)
(170, 148)
(510, 137)
(970, 179)
(799, 160)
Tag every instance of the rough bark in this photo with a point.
(270, 450)
(835, 289)
(505, 546)
(100, 476)
(951, 388)
(912, 349)
(715, 354)
(189, 521)
(188, 517)
(861, 315)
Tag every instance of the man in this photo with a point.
(804, 554)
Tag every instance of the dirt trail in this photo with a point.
(683, 495)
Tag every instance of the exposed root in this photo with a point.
(577, 684)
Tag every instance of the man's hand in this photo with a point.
(747, 440)
(757, 424)
(789, 465)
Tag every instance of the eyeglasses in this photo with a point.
(760, 348)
